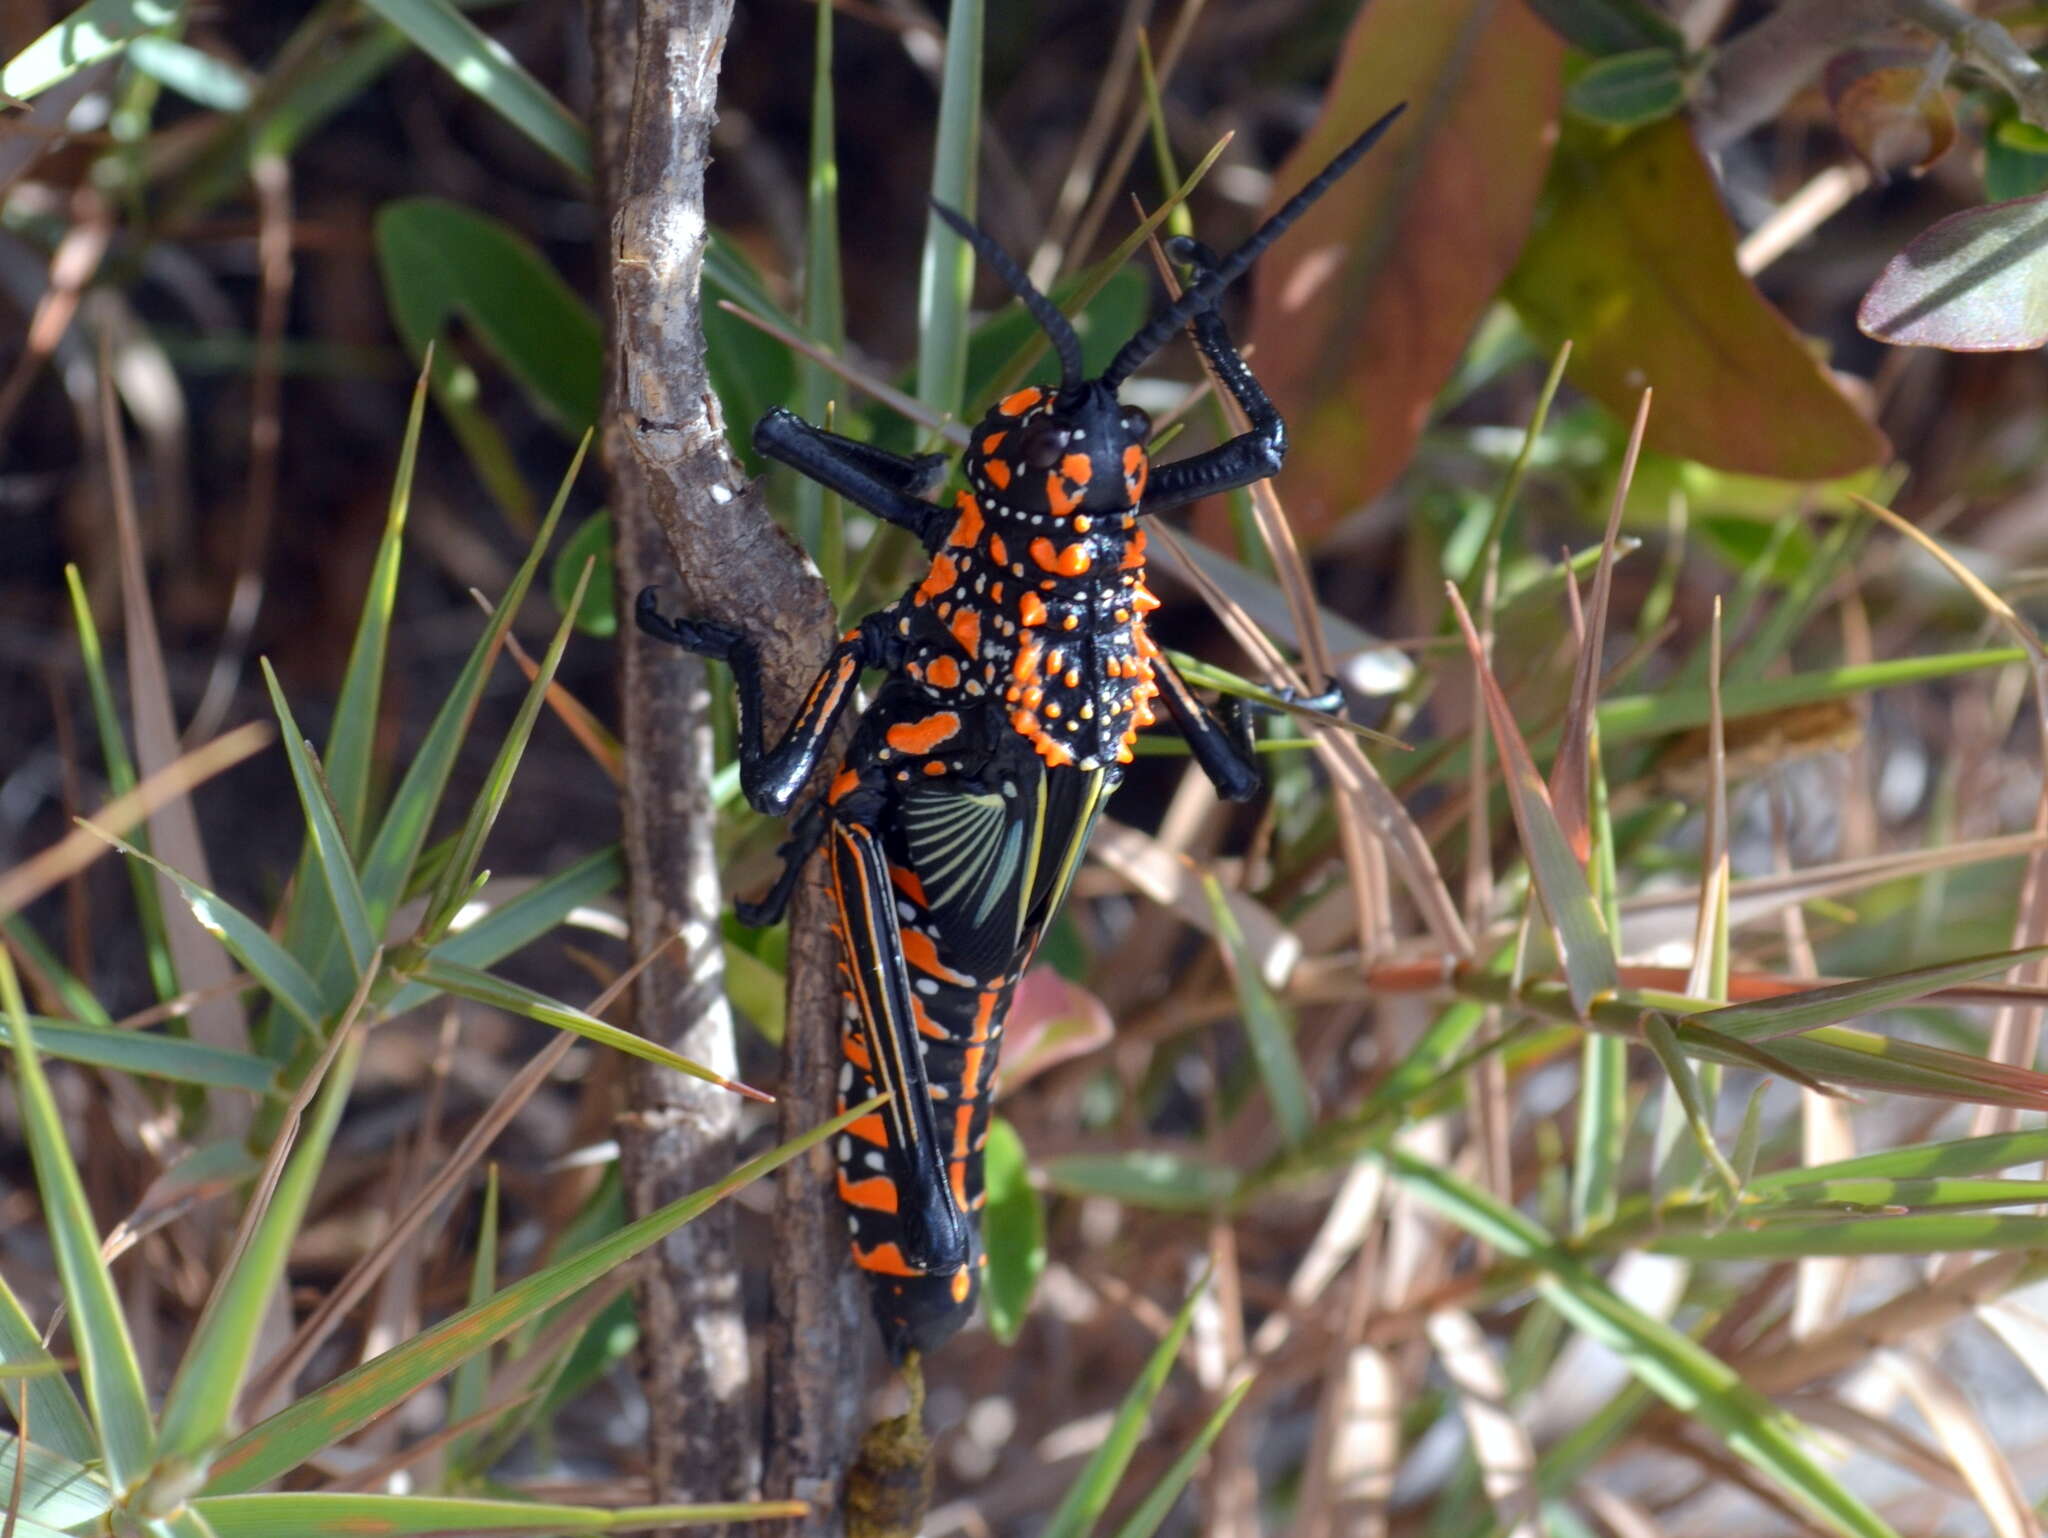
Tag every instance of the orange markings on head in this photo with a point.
(944, 672)
(963, 1284)
(1031, 610)
(993, 442)
(870, 1129)
(935, 768)
(998, 472)
(1071, 561)
(923, 956)
(877, 1194)
(1017, 402)
(843, 786)
(922, 736)
(968, 529)
(884, 1260)
(1134, 551)
(908, 884)
(998, 551)
(1077, 468)
(966, 629)
(943, 577)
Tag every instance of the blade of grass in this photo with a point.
(327, 845)
(466, 1392)
(1678, 1369)
(285, 1440)
(1267, 1025)
(1089, 1495)
(106, 1353)
(945, 275)
(1793, 1014)
(52, 1411)
(322, 1514)
(1960, 1156)
(96, 30)
(481, 65)
(1159, 1501)
(818, 511)
(152, 1055)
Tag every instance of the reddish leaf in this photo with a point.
(1975, 282)
(1363, 310)
(1633, 259)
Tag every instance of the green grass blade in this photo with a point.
(523, 919)
(1792, 1014)
(152, 1055)
(106, 1355)
(484, 988)
(1154, 1178)
(1698, 1384)
(156, 949)
(388, 866)
(54, 1413)
(1158, 1503)
(1089, 1495)
(466, 1393)
(321, 1514)
(328, 845)
(1917, 1234)
(1267, 1025)
(1013, 1225)
(818, 511)
(482, 66)
(1686, 1086)
(93, 32)
(246, 940)
(459, 874)
(284, 1441)
(215, 1367)
(1962, 1156)
(55, 1489)
(945, 280)
(1875, 1196)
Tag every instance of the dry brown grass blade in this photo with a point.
(1622, 1517)
(1701, 982)
(201, 964)
(1346, 1223)
(583, 725)
(72, 266)
(1968, 1442)
(77, 849)
(1568, 774)
(1075, 187)
(284, 1368)
(1501, 1448)
(1881, 1438)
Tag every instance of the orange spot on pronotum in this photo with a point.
(1069, 561)
(968, 529)
(998, 551)
(922, 736)
(967, 631)
(942, 578)
(998, 473)
(1134, 551)
(944, 672)
(1031, 610)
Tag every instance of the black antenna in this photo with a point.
(1043, 310)
(1200, 295)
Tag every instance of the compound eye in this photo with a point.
(1043, 445)
(1137, 424)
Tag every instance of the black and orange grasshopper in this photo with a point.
(1017, 675)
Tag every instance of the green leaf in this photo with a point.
(93, 32)
(152, 1055)
(481, 65)
(1158, 1503)
(1929, 1234)
(1626, 90)
(54, 1414)
(321, 1514)
(945, 281)
(1170, 1182)
(819, 515)
(57, 1492)
(246, 940)
(106, 1355)
(1874, 1197)
(1976, 281)
(1689, 1378)
(2015, 161)
(1013, 1224)
(1633, 260)
(328, 846)
(215, 1368)
(1961, 1156)
(1609, 26)
(469, 983)
(1089, 1495)
(1267, 1024)
(466, 1393)
(591, 540)
(284, 1441)
(194, 74)
(1793, 1014)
